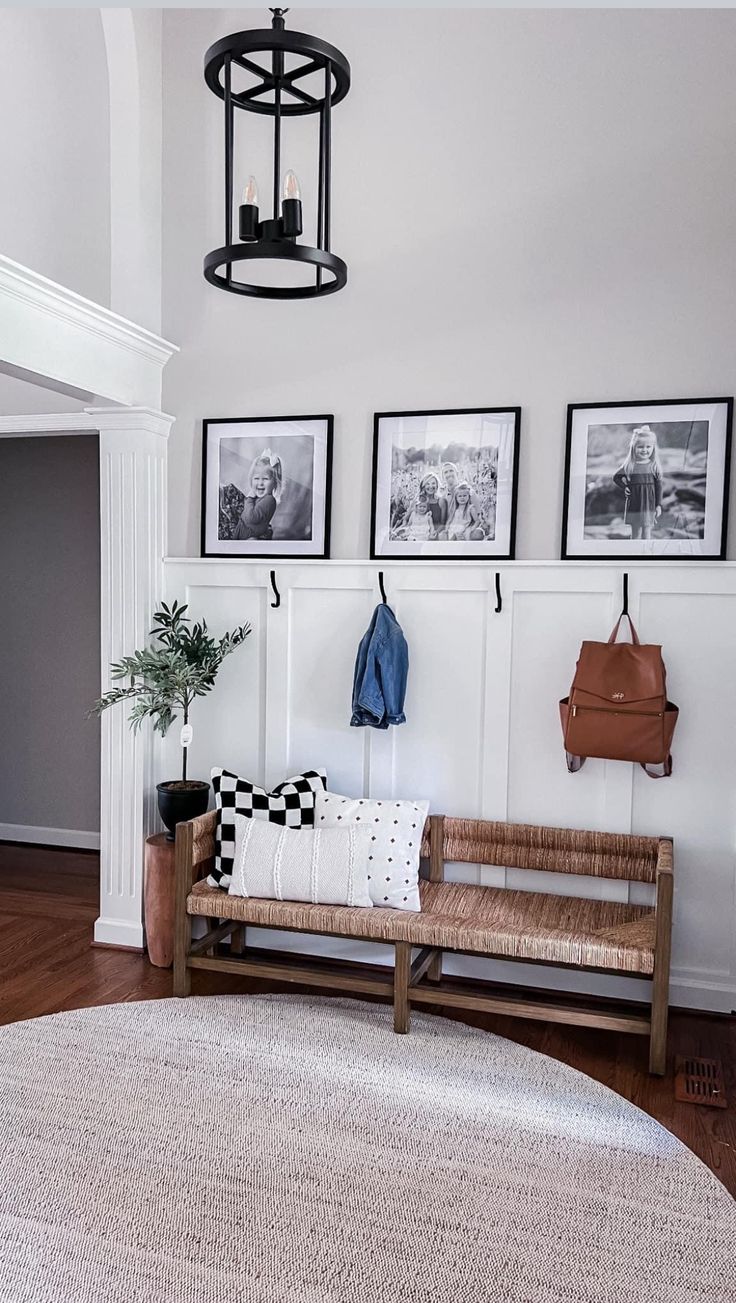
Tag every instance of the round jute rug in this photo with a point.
(288, 1150)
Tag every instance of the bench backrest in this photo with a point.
(511, 846)
(528, 846)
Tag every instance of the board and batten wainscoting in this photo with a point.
(482, 736)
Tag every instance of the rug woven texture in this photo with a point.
(275, 1149)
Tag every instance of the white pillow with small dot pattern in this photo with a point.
(396, 836)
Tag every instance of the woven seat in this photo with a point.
(482, 920)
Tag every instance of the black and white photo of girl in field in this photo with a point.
(266, 486)
(266, 492)
(647, 481)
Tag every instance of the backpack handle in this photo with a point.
(634, 635)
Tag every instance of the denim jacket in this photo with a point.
(379, 682)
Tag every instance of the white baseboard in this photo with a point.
(701, 995)
(114, 932)
(71, 837)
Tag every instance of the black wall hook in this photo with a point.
(276, 592)
(499, 599)
(384, 598)
(625, 607)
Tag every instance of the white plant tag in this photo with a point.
(186, 735)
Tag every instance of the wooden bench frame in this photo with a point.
(417, 980)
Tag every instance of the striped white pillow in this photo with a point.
(292, 803)
(327, 866)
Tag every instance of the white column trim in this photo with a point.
(50, 333)
(146, 420)
(133, 445)
(87, 420)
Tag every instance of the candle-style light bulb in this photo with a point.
(250, 194)
(248, 212)
(291, 206)
(292, 189)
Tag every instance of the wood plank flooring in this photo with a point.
(48, 904)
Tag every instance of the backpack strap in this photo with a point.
(575, 764)
(665, 769)
(634, 635)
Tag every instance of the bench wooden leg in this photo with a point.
(182, 942)
(434, 972)
(237, 941)
(658, 1033)
(402, 966)
(661, 975)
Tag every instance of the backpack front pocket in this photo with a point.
(608, 734)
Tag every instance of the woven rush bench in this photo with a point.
(566, 931)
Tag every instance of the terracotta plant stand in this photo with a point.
(158, 900)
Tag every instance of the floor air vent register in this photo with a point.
(700, 1081)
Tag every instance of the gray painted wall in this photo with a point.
(536, 207)
(50, 642)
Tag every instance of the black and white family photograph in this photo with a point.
(647, 480)
(266, 487)
(444, 483)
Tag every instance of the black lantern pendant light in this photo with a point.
(318, 80)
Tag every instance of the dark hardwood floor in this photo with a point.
(48, 904)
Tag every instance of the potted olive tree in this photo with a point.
(165, 679)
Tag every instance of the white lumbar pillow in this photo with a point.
(396, 836)
(327, 866)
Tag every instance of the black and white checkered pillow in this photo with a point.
(291, 803)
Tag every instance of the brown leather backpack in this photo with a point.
(618, 707)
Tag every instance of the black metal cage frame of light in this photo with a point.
(277, 237)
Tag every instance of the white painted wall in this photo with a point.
(54, 146)
(536, 207)
(81, 165)
(133, 50)
(19, 397)
(482, 737)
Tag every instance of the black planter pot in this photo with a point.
(176, 804)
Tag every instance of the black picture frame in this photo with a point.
(618, 551)
(451, 552)
(212, 425)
